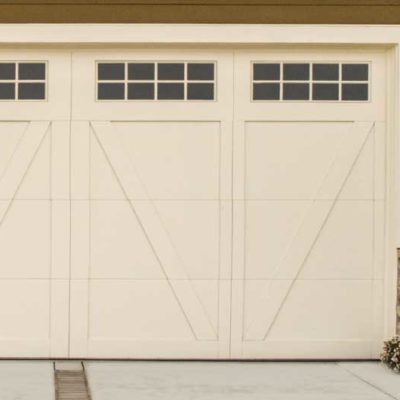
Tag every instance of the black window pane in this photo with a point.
(111, 71)
(141, 71)
(354, 91)
(325, 91)
(7, 91)
(141, 91)
(266, 72)
(325, 72)
(266, 91)
(7, 71)
(355, 72)
(296, 72)
(296, 91)
(111, 91)
(31, 91)
(200, 91)
(32, 71)
(201, 72)
(170, 71)
(170, 91)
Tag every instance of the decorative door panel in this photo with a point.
(34, 203)
(309, 221)
(313, 249)
(34, 239)
(151, 220)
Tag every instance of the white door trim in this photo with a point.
(100, 34)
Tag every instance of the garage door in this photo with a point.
(192, 204)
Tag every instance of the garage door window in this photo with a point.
(310, 81)
(22, 80)
(155, 81)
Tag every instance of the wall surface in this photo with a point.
(202, 11)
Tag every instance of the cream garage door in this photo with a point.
(192, 204)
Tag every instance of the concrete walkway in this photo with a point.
(33, 380)
(26, 380)
(242, 381)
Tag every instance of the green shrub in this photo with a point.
(391, 353)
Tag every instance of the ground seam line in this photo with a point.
(368, 383)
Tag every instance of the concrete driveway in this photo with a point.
(119, 380)
(242, 381)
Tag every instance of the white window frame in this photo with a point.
(16, 81)
(310, 81)
(185, 81)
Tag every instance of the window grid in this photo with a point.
(310, 81)
(17, 81)
(185, 81)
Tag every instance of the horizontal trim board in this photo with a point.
(196, 34)
(47, 12)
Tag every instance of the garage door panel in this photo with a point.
(164, 310)
(22, 158)
(46, 163)
(174, 160)
(34, 206)
(309, 213)
(119, 247)
(36, 180)
(344, 248)
(360, 182)
(24, 311)
(155, 225)
(290, 160)
(136, 310)
(10, 135)
(28, 224)
(323, 220)
(194, 230)
(345, 245)
(210, 293)
(142, 175)
(271, 227)
(342, 312)
(103, 184)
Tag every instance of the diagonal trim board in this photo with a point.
(154, 230)
(21, 161)
(294, 259)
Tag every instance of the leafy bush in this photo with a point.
(391, 353)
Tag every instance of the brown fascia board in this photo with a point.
(201, 11)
